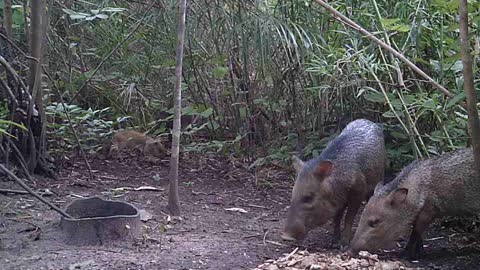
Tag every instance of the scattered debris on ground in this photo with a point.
(297, 260)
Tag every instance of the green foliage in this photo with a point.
(91, 126)
(4, 123)
(274, 67)
(17, 15)
(214, 146)
(94, 14)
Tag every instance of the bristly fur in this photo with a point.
(359, 144)
(344, 174)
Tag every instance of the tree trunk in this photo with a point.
(25, 22)
(173, 198)
(45, 63)
(36, 14)
(469, 88)
(35, 110)
(7, 18)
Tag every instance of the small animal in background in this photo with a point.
(339, 179)
(447, 185)
(133, 141)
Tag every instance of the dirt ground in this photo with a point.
(207, 237)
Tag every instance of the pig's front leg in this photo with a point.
(337, 220)
(354, 203)
(414, 248)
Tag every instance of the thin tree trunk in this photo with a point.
(25, 22)
(173, 198)
(36, 9)
(7, 18)
(34, 84)
(469, 88)
(45, 62)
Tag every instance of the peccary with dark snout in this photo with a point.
(342, 177)
(446, 185)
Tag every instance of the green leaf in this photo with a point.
(102, 16)
(388, 114)
(111, 9)
(375, 97)
(219, 72)
(387, 22)
(207, 112)
(187, 110)
(453, 5)
(400, 28)
(456, 99)
(75, 15)
(399, 135)
(213, 125)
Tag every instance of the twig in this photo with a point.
(111, 53)
(22, 161)
(2, 190)
(9, 91)
(77, 140)
(265, 237)
(33, 193)
(275, 243)
(291, 254)
(257, 206)
(251, 236)
(344, 20)
(18, 49)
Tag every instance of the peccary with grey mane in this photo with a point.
(342, 177)
(446, 185)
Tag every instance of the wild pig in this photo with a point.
(446, 185)
(134, 140)
(342, 177)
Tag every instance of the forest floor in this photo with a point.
(208, 236)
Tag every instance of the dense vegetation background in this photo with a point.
(262, 79)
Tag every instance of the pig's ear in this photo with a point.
(323, 169)
(398, 197)
(297, 164)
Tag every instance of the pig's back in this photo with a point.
(452, 183)
(360, 146)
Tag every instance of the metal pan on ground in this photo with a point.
(97, 222)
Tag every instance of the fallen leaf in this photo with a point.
(149, 188)
(145, 216)
(236, 209)
(82, 265)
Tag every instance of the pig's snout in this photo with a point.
(355, 246)
(352, 252)
(293, 232)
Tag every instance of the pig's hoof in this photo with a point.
(413, 253)
(287, 237)
(338, 245)
(334, 244)
(341, 244)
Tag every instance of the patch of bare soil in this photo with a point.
(231, 219)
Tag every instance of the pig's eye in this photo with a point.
(373, 223)
(307, 199)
